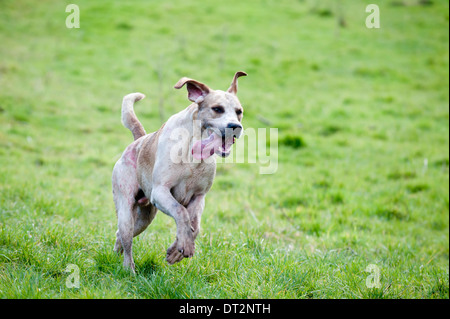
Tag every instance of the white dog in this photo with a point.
(146, 178)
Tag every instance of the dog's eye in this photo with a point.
(218, 109)
(238, 112)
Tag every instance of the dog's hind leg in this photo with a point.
(132, 220)
(125, 187)
(130, 225)
(144, 218)
(126, 220)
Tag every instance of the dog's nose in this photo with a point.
(234, 126)
(235, 129)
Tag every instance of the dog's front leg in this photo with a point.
(195, 209)
(163, 200)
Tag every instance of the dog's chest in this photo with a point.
(196, 180)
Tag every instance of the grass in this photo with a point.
(363, 153)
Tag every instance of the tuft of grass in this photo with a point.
(294, 141)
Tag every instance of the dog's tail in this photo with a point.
(129, 119)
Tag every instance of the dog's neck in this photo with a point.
(189, 121)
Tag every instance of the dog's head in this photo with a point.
(220, 114)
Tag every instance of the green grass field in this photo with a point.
(363, 147)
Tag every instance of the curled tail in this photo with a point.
(129, 119)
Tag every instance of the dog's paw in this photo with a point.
(173, 256)
(186, 247)
(177, 251)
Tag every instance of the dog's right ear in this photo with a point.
(196, 90)
(233, 87)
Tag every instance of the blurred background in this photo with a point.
(363, 152)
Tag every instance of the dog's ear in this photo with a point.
(196, 90)
(234, 85)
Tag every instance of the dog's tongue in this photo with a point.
(206, 148)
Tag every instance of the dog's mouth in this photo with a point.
(225, 149)
(214, 143)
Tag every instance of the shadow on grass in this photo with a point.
(110, 262)
(146, 266)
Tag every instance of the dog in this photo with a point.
(148, 177)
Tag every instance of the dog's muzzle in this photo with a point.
(217, 141)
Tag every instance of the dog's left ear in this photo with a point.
(234, 85)
(196, 90)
